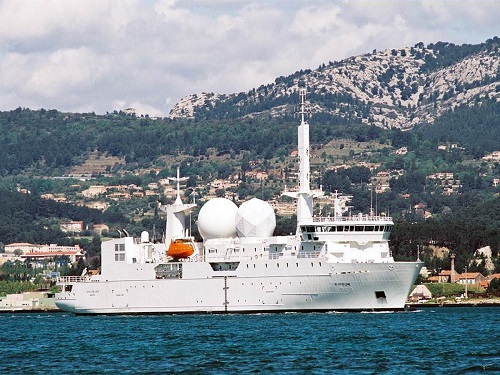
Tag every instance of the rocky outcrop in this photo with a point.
(390, 89)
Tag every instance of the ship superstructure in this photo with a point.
(337, 262)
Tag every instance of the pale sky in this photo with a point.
(105, 55)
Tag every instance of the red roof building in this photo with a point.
(74, 253)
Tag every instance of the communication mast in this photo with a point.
(304, 195)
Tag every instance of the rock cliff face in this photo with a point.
(390, 89)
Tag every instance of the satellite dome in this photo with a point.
(216, 219)
(255, 218)
(144, 236)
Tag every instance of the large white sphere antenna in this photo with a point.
(217, 219)
(255, 218)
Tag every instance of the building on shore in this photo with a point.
(42, 253)
(28, 301)
(420, 292)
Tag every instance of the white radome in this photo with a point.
(216, 219)
(255, 218)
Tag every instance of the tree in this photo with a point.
(192, 181)
(78, 269)
(494, 286)
(285, 225)
(94, 247)
(400, 138)
(335, 181)
(18, 252)
(244, 190)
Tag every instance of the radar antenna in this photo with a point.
(176, 214)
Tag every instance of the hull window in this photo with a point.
(380, 295)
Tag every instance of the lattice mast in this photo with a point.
(176, 214)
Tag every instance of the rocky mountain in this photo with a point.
(396, 88)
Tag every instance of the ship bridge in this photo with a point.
(358, 228)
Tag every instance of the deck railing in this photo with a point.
(304, 254)
(352, 218)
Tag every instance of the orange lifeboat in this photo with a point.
(180, 249)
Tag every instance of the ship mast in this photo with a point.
(303, 146)
(176, 214)
(304, 195)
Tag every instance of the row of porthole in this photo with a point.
(235, 250)
(278, 265)
(270, 283)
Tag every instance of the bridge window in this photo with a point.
(120, 252)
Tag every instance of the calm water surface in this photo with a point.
(428, 341)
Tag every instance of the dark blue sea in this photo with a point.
(426, 341)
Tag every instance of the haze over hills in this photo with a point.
(397, 88)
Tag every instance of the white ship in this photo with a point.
(337, 263)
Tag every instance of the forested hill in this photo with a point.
(396, 88)
(444, 92)
(29, 218)
(50, 143)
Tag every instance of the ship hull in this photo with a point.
(313, 286)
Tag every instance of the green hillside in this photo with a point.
(49, 143)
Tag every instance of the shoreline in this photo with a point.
(27, 311)
(470, 303)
